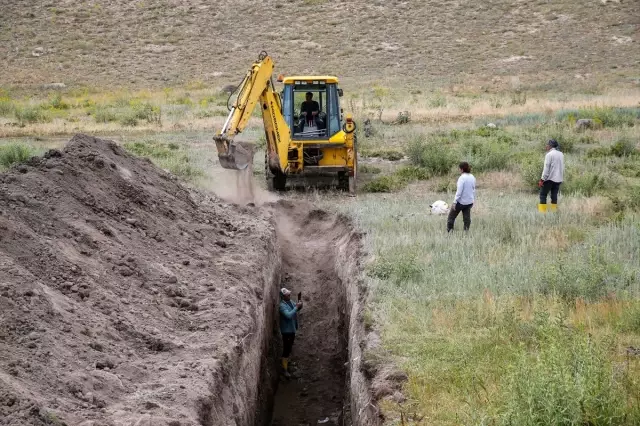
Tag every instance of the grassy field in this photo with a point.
(529, 319)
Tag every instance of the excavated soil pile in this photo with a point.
(126, 299)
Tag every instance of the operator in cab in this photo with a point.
(309, 110)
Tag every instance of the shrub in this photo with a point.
(630, 320)
(386, 183)
(604, 116)
(169, 156)
(590, 278)
(567, 142)
(31, 114)
(56, 102)
(438, 159)
(528, 119)
(104, 115)
(626, 199)
(630, 167)
(387, 154)
(184, 100)
(129, 120)
(438, 102)
(204, 113)
(599, 152)
(587, 139)
(588, 182)
(151, 148)
(146, 111)
(141, 111)
(181, 167)
(7, 108)
(530, 165)
(14, 153)
(365, 168)
(397, 268)
(568, 380)
(486, 156)
(623, 148)
(412, 173)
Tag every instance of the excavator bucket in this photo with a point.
(234, 155)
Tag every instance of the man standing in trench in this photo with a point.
(552, 176)
(288, 326)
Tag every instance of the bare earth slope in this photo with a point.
(125, 298)
(167, 42)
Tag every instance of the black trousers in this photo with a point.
(455, 211)
(549, 186)
(287, 344)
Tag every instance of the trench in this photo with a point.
(320, 254)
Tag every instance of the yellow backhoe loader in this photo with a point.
(306, 131)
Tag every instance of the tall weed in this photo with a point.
(14, 153)
(436, 158)
(567, 379)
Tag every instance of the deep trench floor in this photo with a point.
(315, 394)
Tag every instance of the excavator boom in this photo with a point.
(255, 87)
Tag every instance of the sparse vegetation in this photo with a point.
(169, 156)
(14, 153)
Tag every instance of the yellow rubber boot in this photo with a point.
(542, 208)
(554, 208)
(285, 367)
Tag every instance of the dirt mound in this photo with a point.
(127, 299)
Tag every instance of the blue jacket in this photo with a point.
(288, 317)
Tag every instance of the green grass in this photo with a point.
(488, 325)
(397, 180)
(31, 114)
(14, 153)
(168, 155)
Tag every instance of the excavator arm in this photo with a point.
(256, 88)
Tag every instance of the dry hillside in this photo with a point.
(170, 42)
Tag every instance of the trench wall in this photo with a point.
(349, 252)
(249, 376)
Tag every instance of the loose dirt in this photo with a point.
(316, 392)
(127, 299)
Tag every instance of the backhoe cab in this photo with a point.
(306, 131)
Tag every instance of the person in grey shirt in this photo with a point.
(552, 176)
(465, 196)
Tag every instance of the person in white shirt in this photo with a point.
(465, 196)
(552, 176)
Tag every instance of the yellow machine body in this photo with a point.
(305, 136)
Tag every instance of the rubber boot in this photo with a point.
(542, 208)
(554, 208)
(285, 367)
